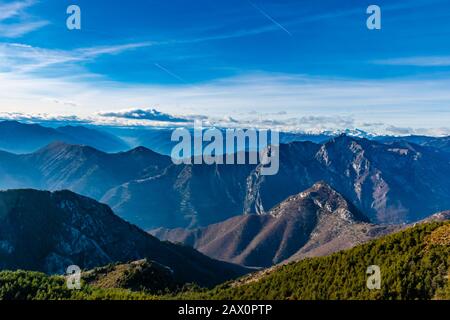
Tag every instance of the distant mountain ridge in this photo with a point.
(43, 231)
(20, 137)
(316, 222)
(91, 172)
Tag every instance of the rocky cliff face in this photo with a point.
(386, 182)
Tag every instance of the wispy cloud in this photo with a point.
(155, 117)
(15, 22)
(21, 58)
(431, 61)
(45, 118)
(13, 9)
(404, 131)
(93, 52)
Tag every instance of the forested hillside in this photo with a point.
(414, 265)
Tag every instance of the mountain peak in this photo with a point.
(343, 137)
(140, 150)
(322, 185)
(64, 146)
(322, 198)
(317, 221)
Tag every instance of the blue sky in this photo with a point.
(295, 64)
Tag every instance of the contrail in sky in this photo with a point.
(169, 72)
(270, 18)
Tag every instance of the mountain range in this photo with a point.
(44, 231)
(328, 196)
(395, 182)
(20, 137)
(385, 181)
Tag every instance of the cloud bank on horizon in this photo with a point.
(287, 65)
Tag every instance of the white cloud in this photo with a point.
(17, 30)
(15, 22)
(144, 114)
(306, 102)
(306, 125)
(22, 58)
(404, 131)
(13, 9)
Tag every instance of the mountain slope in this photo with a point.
(184, 195)
(81, 169)
(141, 275)
(47, 232)
(90, 172)
(95, 138)
(22, 138)
(442, 143)
(316, 222)
(414, 264)
(16, 172)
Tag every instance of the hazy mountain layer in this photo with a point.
(24, 138)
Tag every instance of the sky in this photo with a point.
(289, 64)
